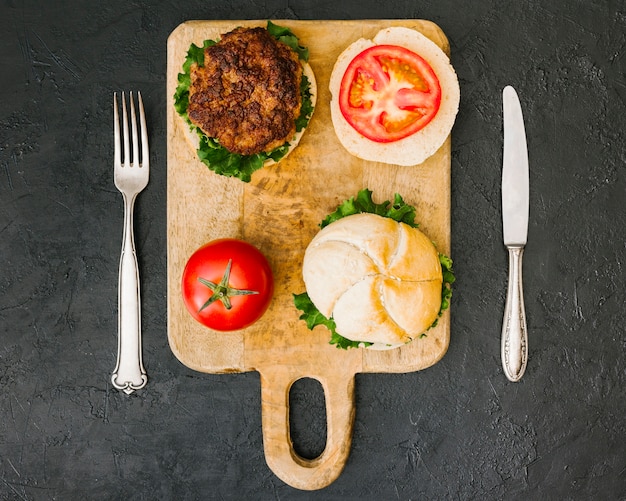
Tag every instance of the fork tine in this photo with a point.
(145, 155)
(116, 130)
(133, 119)
(125, 129)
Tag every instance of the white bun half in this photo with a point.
(416, 148)
(380, 280)
(193, 139)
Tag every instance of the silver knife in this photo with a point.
(515, 194)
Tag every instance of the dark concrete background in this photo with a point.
(458, 430)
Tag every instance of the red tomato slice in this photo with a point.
(388, 93)
(227, 284)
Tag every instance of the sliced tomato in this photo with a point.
(388, 93)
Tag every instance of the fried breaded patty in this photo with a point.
(247, 95)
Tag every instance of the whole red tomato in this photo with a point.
(227, 284)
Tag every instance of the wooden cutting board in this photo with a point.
(279, 212)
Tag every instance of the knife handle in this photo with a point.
(514, 333)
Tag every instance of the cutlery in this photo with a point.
(131, 174)
(515, 194)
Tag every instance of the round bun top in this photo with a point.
(380, 280)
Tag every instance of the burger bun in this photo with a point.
(414, 149)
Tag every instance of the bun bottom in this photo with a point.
(414, 149)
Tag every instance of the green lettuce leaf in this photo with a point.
(210, 152)
(398, 211)
(285, 36)
(195, 55)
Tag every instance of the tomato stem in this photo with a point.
(223, 291)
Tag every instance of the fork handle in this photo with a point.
(129, 374)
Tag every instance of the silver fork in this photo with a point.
(131, 176)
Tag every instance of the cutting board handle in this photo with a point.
(301, 473)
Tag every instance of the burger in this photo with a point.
(246, 98)
(372, 277)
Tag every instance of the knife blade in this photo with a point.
(515, 202)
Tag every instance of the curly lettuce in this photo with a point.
(398, 210)
(210, 152)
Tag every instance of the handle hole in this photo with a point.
(307, 418)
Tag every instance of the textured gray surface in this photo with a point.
(458, 430)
